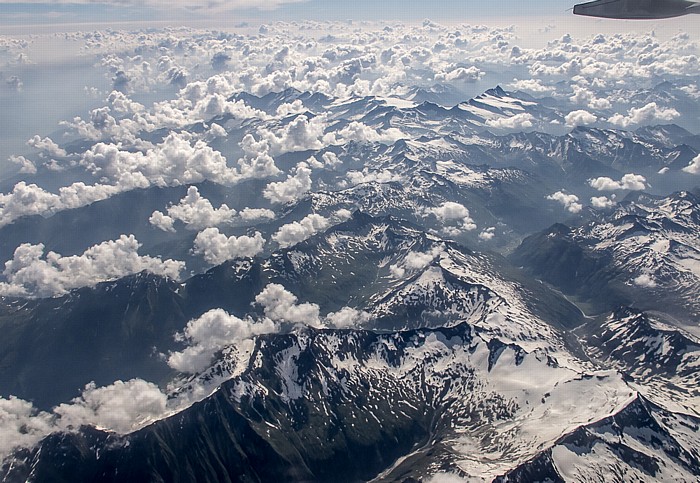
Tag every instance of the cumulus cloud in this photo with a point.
(603, 202)
(645, 280)
(516, 122)
(450, 212)
(463, 74)
(298, 231)
(21, 425)
(630, 181)
(414, 261)
(178, 160)
(122, 406)
(580, 118)
(29, 199)
(347, 318)
(643, 115)
(570, 202)
(360, 132)
(293, 188)
(210, 333)
(162, 221)
(256, 214)
(488, 233)
(195, 211)
(280, 305)
(694, 166)
(366, 176)
(331, 159)
(300, 134)
(47, 147)
(25, 165)
(216, 247)
(531, 85)
(30, 273)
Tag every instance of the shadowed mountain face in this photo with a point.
(374, 345)
(119, 330)
(644, 252)
(332, 406)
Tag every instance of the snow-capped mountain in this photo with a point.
(311, 404)
(645, 252)
(662, 359)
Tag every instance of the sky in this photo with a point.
(28, 13)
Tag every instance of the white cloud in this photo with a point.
(210, 333)
(21, 425)
(602, 202)
(293, 188)
(414, 261)
(516, 122)
(643, 115)
(347, 318)
(216, 247)
(331, 159)
(195, 211)
(25, 165)
(464, 74)
(47, 147)
(488, 233)
(298, 231)
(580, 118)
(531, 85)
(162, 221)
(29, 199)
(177, 160)
(570, 202)
(645, 280)
(630, 181)
(341, 215)
(694, 166)
(122, 406)
(366, 176)
(360, 132)
(280, 305)
(256, 214)
(300, 134)
(449, 212)
(30, 273)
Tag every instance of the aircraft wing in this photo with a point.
(637, 9)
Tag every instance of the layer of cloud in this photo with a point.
(31, 273)
(216, 247)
